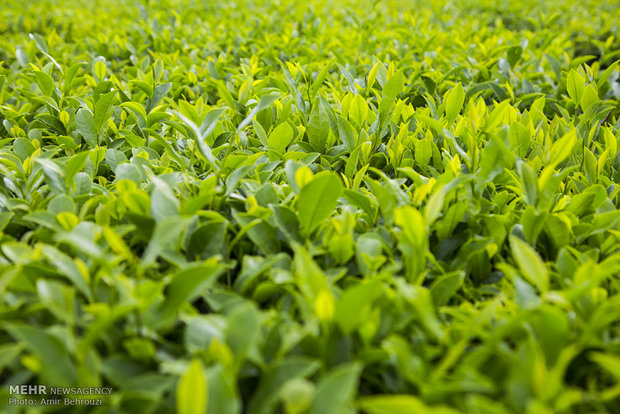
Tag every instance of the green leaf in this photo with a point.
(444, 287)
(232, 181)
(207, 240)
(318, 199)
(243, 328)
(103, 111)
(58, 298)
(210, 122)
(575, 86)
(114, 157)
(494, 158)
(56, 364)
(23, 148)
(163, 201)
(358, 111)
(532, 222)
(297, 395)
(42, 46)
(400, 404)
(519, 139)
(290, 169)
(100, 69)
(309, 276)
(589, 98)
(434, 206)
(346, 133)
(423, 152)
(67, 268)
(354, 306)
(192, 390)
(349, 79)
(562, 148)
(590, 166)
(513, 55)
(266, 395)
(530, 263)
(412, 241)
(318, 125)
(264, 102)
(45, 82)
(158, 93)
(5, 218)
(281, 137)
(609, 362)
(127, 171)
(335, 391)
(85, 124)
(53, 175)
(186, 286)
(200, 135)
(166, 233)
(74, 165)
(454, 102)
(137, 110)
(320, 78)
(391, 89)
(528, 182)
(223, 394)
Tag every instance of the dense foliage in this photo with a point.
(296, 207)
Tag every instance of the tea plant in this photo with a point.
(299, 207)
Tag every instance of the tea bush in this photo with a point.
(299, 207)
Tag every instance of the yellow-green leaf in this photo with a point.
(192, 391)
(530, 263)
